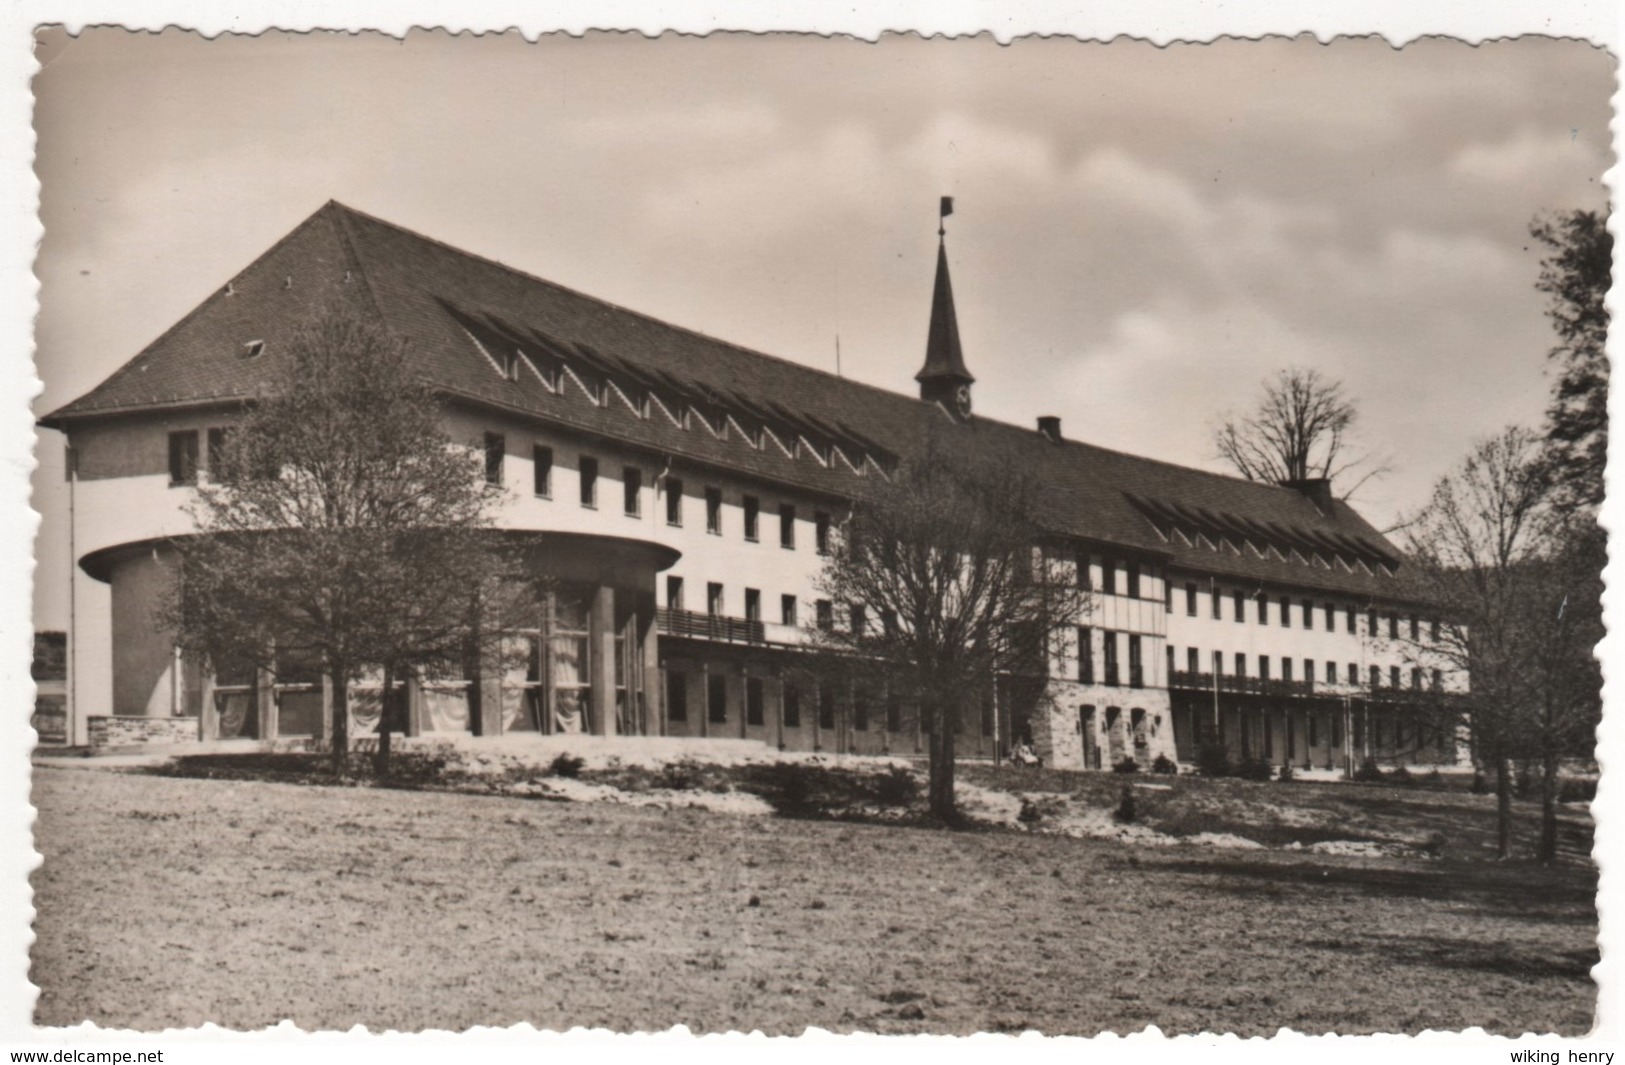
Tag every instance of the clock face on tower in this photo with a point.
(962, 400)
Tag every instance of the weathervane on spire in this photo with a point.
(943, 212)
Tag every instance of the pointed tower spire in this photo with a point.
(944, 379)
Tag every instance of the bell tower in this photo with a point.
(943, 379)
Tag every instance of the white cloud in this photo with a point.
(1530, 156)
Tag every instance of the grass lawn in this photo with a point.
(170, 902)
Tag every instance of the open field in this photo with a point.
(173, 901)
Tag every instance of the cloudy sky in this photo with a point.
(1142, 234)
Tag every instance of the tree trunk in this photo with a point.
(941, 787)
(341, 717)
(1503, 807)
(1548, 808)
(386, 723)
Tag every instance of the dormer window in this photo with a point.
(253, 349)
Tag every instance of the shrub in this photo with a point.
(1165, 766)
(1481, 783)
(1254, 769)
(1286, 776)
(1369, 772)
(1213, 759)
(681, 775)
(1524, 785)
(566, 765)
(1434, 779)
(1125, 812)
(1401, 775)
(898, 786)
(1127, 765)
(790, 786)
(1030, 813)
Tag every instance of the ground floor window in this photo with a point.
(676, 696)
(754, 699)
(716, 698)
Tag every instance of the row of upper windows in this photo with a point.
(1112, 674)
(1135, 575)
(1306, 610)
(1193, 664)
(185, 462)
(856, 614)
(632, 495)
(715, 604)
(184, 458)
(184, 465)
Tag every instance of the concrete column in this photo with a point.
(327, 709)
(265, 704)
(489, 721)
(601, 634)
(414, 706)
(1348, 740)
(816, 708)
(705, 700)
(776, 690)
(208, 718)
(654, 686)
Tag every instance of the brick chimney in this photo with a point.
(1050, 426)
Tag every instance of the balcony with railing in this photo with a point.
(695, 625)
(1195, 681)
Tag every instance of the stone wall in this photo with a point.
(1121, 723)
(132, 731)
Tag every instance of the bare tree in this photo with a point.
(948, 566)
(1299, 431)
(340, 525)
(1506, 568)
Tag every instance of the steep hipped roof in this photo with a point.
(487, 334)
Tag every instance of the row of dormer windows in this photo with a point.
(757, 427)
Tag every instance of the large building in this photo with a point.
(681, 492)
